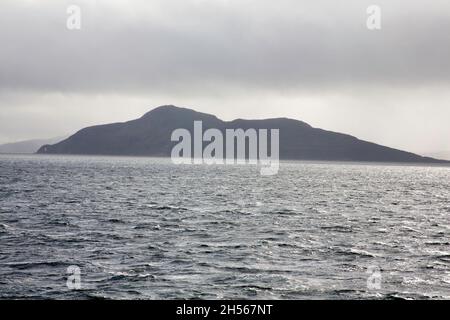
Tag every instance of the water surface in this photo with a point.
(143, 228)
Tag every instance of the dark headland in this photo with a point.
(150, 135)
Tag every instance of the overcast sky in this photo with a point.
(311, 60)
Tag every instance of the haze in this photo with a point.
(313, 61)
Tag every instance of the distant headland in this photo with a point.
(150, 135)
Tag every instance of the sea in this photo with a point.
(93, 227)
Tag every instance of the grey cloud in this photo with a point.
(183, 45)
(310, 60)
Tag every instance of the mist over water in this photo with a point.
(144, 228)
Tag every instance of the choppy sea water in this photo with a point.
(143, 228)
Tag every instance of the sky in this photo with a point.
(316, 61)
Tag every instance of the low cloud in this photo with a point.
(233, 58)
